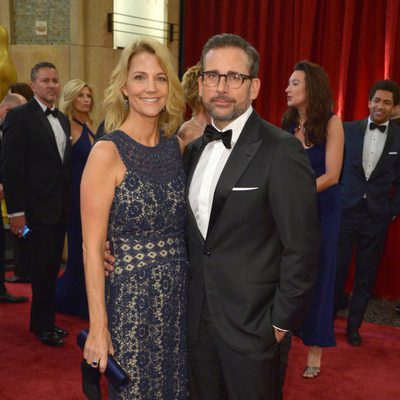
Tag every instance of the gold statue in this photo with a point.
(8, 73)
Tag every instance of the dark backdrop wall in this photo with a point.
(356, 41)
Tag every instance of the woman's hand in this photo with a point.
(97, 348)
(109, 259)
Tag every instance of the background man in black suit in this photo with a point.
(22, 258)
(395, 118)
(34, 162)
(9, 102)
(370, 198)
(253, 233)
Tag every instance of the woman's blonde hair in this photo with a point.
(170, 119)
(70, 93)
(190, 85)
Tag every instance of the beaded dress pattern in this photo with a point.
(146, 293)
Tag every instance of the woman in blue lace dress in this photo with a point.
(310, 118)
(76, 102)
(133, 194)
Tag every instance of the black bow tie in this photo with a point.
(53, 112)
(373, 126)
(210, 134)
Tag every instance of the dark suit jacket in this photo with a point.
(258, 262)
(382, 188)
(34, 176)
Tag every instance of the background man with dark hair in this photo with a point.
(34, 164)
(370, 199)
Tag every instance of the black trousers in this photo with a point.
(219, 373)
(46, 245)
(365, 236)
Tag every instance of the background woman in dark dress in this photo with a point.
(133, 193)
(77, 103)
(310, 118)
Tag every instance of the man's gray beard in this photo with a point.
(234, 114)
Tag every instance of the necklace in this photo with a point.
(201, 126)
(300, 128)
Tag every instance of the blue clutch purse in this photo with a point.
(114, 373)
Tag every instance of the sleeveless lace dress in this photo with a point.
(146, 293)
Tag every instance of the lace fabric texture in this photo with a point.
(146, 293)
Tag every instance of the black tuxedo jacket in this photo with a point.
(35, 178)
(258, 262)
(382, 187)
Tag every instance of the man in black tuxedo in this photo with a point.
(34, 164)
(253, 233)
(370, 198)
(9, 102)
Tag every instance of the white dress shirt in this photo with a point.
(208, 171)
(374, 141)
(59, 134)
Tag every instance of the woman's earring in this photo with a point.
(126, 104)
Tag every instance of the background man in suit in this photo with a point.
(9, 102)
(20, 247)
(370, 198)
(253, 233)
(395, 118)
(34, 162)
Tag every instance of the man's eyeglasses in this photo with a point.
(233, 80)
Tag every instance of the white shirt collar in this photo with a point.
(237, 125)
(43, 106)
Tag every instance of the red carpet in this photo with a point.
(369, 372)
(31, 371)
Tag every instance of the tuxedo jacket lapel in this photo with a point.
(190, 167)
(359, 142)
(191, 164)
(65, 125)
(386, 147)
(193, 224)
(46, 124)
(240, 157)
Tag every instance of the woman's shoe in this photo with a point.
(313, 366)
(311, 372)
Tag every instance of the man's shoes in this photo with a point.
(17, 279)
(50, 339)
(62, 333)
(8, 297)
(353, 337)
(397, 308)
